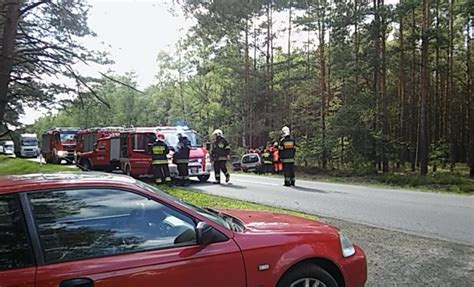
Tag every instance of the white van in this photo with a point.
(8, 148)
(29, 145)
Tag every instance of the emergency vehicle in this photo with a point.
(58, 144)
(135, 155)
(199, 160)
(98, 149)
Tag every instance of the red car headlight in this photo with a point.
(347, 247)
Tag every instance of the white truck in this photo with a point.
(28, 145)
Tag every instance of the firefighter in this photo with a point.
(159, 152)
(219, 154)
(181, 159)
(287, 149)
(267, 160)
(277, 165)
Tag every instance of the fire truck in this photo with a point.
(58, 144)
(98, 149)
(135, 156)
(199, 160)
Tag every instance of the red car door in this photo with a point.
(109, 237)
(16, 258)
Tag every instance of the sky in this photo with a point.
(133, 32)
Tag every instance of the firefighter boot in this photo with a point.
(186, 181)
(227, 177)
(178, 182)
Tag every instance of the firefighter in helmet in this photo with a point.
(159, 152)
(287, 149)
(220, 151)
(181, 159)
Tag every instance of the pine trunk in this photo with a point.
(383, 95)
(470, 92)
(424, 89)
(10, 26)
(322, 84)
(401, 92)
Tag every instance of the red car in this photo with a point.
(97, 229)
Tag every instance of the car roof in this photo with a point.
(18, 183)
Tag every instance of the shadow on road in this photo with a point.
(223, 185)
(308, 189)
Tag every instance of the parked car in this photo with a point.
(252, 162)
(98, 229)
(9, 148)
(236, 163)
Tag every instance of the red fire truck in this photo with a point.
(58, 144)
(135, 156)
(98, 149)
(199, 161)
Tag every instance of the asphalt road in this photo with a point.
(433, 215)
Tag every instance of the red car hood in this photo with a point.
(262, 222)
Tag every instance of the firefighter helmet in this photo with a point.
(285, 131)
(160, 136)
(218, 133)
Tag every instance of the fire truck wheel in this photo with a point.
(56, 160)
(86, 165)
(204, 178)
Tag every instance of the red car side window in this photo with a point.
(15, 251)
(85, 223)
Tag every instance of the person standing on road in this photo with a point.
(267, 161)
(287, 150)
(159, 152)
(181, 159)
(220, 151)
(277, 166)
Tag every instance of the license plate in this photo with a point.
(194, 170)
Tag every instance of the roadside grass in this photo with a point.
(205, 200)
(15, 166)
(444, 180)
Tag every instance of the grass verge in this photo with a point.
(11, 165)
(15, 166)
(212, 201)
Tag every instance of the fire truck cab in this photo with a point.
(59, 144)
(98, 149)
(199, 160)
(135, 156)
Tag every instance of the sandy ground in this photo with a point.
(400, 259)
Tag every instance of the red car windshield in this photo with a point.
(214, 216)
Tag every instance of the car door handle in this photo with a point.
(77, 282)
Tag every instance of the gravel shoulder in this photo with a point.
(400, 259)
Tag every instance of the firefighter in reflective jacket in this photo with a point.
(181, 159)
(220, 151)
(267, 161)
(287, 149)
(159, 152)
